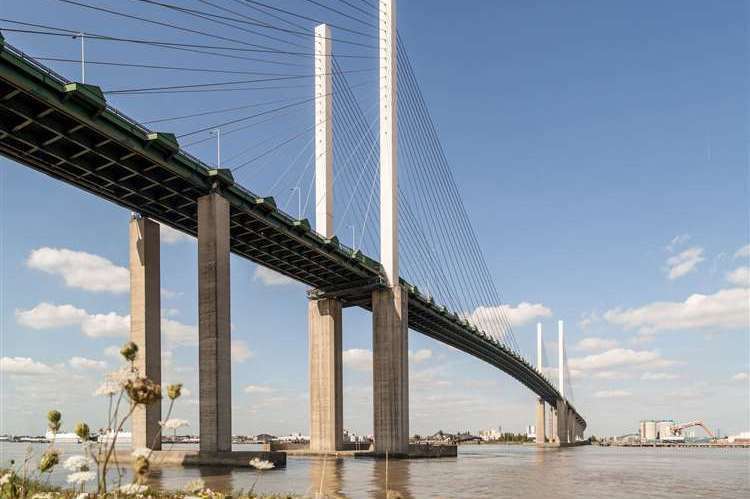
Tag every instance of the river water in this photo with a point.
(494, 471)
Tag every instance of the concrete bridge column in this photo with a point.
(214, 350)
(145, 319)
(553, 437)
(562, 422)
(390, 365)
(571, 426)
(540, 426)
(326, 389)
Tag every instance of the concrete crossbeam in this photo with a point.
(390, 366)
(214, 348)
(326, 387)
(145, 319)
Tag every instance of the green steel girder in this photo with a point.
(67, 131)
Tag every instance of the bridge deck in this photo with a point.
(67, 131)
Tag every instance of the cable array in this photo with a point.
(263, 113)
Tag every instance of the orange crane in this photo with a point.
(677, 429)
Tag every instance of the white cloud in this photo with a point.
(420, 355)
(106, 325)
(740, 377)
(649, 376)
(259, 389)
(677, 241)
(84, 363)
(587, 320)
(24, 366)
(177, 333)
(743, 252)
(168, 235)
(612, 394)
(271, 278)
(740, 276)
(358, 359)
(611, 375)
(46, 316)
(81, 270)
(240, 351)
(592, 344)
(726, 309)
(488, 318)
(112, 351)
(49, 316)
(618, 357)
(685, 262)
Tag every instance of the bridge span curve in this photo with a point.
(68, 131)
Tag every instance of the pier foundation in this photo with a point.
(390, 365)
(145, 323)
(325, 364)
(214, 347)
(540, 423)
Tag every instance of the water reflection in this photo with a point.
(478, 471)
(392, 475)
(220, 479)
(326, 478)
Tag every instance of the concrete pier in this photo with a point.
(214, 349)
(145, 323)
(540, 423)
(553, 437)
(390, 365)
(562, 423)
(326, 387)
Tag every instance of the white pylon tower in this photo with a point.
(561, 358)
(388, 143)
(323, 132)
(539, 365)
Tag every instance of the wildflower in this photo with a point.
(116, 380)
(173, 391)
(53, 417)
(195, 486)
(140, 466)
(173, 424)
(49, 460)
(6, 478)
(260, 464)
(141, 452)
(143, 391)
(133, 489)
(108, 388)
(82, 431)
(78, 463)
(80, 477)
(129, 350)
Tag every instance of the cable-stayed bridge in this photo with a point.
(430, 277)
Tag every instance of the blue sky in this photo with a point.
(601, 150)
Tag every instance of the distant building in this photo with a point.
(491, 434)
(295, 438)
(741, 438)
(531, 431)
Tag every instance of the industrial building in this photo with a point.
(651, 430)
